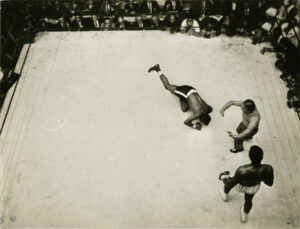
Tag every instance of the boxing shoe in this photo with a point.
(236, 150)
(244, 216)
(154, 68)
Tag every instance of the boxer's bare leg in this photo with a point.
(163, 78)
(248, 202)
(166, 84)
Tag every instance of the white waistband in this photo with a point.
(191, 92)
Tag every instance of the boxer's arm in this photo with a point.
(229, 104)
(268, 178)
(231, 182)
(188, 122)
(238, 173)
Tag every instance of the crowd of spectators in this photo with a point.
(281, 29)
(275, 21)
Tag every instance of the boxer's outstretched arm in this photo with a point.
(229, 104)
(188, 122)
(231, 182)
(246, 132)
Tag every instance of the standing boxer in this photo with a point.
(249, 125)
(247, 179)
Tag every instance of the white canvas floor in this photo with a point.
(98, 142)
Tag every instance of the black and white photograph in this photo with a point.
(150, 114)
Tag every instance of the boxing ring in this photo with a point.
(93, 140)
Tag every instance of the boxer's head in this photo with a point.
(256, 155)
(248, 106)
(205, 119)
(209, 109)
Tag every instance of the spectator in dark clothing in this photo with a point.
(138, 24)
(58, 10)
(62, 25)
(208, 7)
(89, 18)
(121, 24)
(232, 9)
(29, 15)
(217, 8)
(74, 8)
(246, 17)
(74, 11)
(287, 57)
(106, 9)
(196, 10)
(172, 5)
(90, 7)
(120, 7)
(42, 13)
(30, 25)
(91, 22)
(293, 94)
(171, 23)
(107, 24)
(131, 8)
(56, 20)
(149, 7)
(292, 81)
(153, 23)
(285, 39)
(294, 103)
(211, 25)
(289, 62)
(259, 8)
(276, 16)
